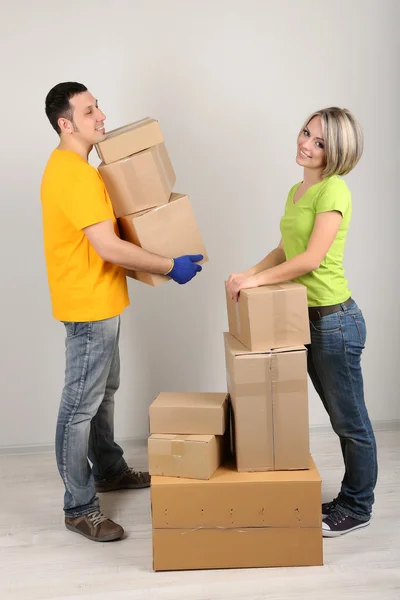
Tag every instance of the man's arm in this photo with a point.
(114, 250)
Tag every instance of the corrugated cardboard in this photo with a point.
(170, 230)
(269, 395)
(194, 549)
(189, 413)
(271, 316)
(237, 520)
(139, 182)
(129, 139)
(190, 456)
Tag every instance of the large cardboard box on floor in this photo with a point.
(129, 139)
(271, 316)
(190, 456)
(139, 182)
(269, 396)
(237, 520)
(169, 230)
(194, 413)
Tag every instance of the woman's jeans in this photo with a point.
(334, 366)
(85, 426)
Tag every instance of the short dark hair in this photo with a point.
(57, 101)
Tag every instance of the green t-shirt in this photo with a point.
(326, 285)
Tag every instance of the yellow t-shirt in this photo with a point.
(83, 287)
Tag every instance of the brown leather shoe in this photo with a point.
(95, 526)
(127, 480)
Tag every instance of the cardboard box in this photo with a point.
(237, 520)
(170, 230)
(269, 395)
(271, 316)
(129, 139)
(190, 456)
(139, 182)
(189, 413)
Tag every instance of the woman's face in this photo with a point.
(310, 146)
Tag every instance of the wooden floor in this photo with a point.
(40, 559)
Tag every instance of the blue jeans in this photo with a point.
(334, 366)
(85, 426)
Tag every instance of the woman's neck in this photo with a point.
(312, 176)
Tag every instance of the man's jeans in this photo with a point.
(334, 366)
(85, 426)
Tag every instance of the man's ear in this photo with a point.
(65, 125)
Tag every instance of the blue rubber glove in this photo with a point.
(185, 268)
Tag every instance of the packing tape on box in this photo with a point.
(178, 446)
(164, 168)
(272, 367)
(237, 313)
(279, 305)
(260, 388)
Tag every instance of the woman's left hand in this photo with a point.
(237, 282)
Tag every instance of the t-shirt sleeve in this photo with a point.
(83, 200)
(335, 196)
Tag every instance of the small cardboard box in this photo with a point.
(129, 139)
(270, 316)
(170, 230)
(190, 456)
(236, 520)
(269, 396)
(193, 413)
(139, 182)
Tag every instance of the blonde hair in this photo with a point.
(343, 139)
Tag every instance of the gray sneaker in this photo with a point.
(127, 480)
(95, 526)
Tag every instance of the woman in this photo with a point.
(314, 229)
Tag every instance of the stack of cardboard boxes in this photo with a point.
(264, 509)
(209, 511)
(139, 179)
(188, 434)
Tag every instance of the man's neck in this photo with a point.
(75, 145)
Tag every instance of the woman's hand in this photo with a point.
(240, 281)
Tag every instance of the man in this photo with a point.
(85, 264)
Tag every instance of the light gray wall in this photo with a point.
(230, 82)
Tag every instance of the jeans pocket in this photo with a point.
(70, 327)
(361, 328)
(327, 324)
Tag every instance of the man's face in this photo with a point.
(87, 119)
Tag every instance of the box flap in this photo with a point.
(238, 349)
(228, 474)
(129, 127)
(190, 399)
(205, 439)
(275, 287)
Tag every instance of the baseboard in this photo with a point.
(49, 448)
(377, 426)
(139, 440)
